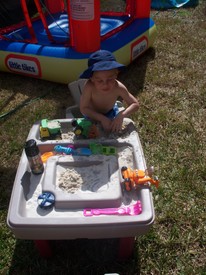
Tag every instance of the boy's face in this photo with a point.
(104, 81)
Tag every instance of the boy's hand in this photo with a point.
(106, 124)
(116, 123)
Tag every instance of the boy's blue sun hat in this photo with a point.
(101, 60)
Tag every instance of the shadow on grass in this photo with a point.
(34, 95)
(81, 256)
(6, 183)
(134, 75)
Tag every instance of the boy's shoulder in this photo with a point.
(88, 85)
(121, 86)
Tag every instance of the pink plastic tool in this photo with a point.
(134, 209)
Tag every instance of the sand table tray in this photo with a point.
(79, 182)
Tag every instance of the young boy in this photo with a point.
(102, 89)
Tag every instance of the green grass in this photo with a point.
(169, 81)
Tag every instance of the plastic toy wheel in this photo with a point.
(74, 122)
(127, 184)
(78, 131)
(149, 171)
(124, 168)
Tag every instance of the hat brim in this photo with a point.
(102, 66)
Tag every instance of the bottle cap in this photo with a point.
(31, 148)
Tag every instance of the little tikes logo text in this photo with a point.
(138, 47)
(23, 65)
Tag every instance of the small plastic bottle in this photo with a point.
(34, 158)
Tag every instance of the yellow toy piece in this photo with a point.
(44, 132)
(46, 155)
(49, 129)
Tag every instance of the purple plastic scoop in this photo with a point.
(132, 210)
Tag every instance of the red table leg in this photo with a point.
(44, 248)
(126, 248)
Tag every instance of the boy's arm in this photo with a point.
(130, 100)
(132, 106)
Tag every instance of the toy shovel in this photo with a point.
(132, 210)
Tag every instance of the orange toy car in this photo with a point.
(135, 177)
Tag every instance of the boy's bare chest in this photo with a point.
(104, 102)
